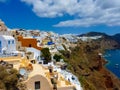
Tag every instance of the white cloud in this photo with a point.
(110, 17)
(88, 12)
(52, 8)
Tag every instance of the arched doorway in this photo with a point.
(38, 82)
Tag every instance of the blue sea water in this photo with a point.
(113, 57)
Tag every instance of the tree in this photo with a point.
(46, 54)
(57, 57)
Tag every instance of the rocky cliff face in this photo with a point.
(85, 63)
(2, 26)
(108, 42)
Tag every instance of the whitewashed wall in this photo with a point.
(8, 47)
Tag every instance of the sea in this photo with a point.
(113, 58)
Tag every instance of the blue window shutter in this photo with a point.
(12, 41)
(8, 41)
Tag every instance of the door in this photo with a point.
(37, 85)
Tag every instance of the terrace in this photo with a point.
(40, 73)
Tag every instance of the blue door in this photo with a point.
(0, 47)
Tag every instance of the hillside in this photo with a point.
(117, 37)
(85, 62)
(93, 34)
(107, 41)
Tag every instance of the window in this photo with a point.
(27, 57)
(18, 47)
(37, 85)
(8, 41)
(0, 46)
(0, 43)
(12, 41)
(30, 45)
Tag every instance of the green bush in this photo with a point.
(57, 57)
(46, 54)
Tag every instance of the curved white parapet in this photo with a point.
(72, 78)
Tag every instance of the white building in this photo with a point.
(70, 37)
(85, 38)
(7, 44)
(37, 53)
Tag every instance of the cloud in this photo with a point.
(52, 8)
(110, 17)
(86, 12)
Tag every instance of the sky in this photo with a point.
(62, 16)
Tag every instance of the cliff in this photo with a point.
(85, 62)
